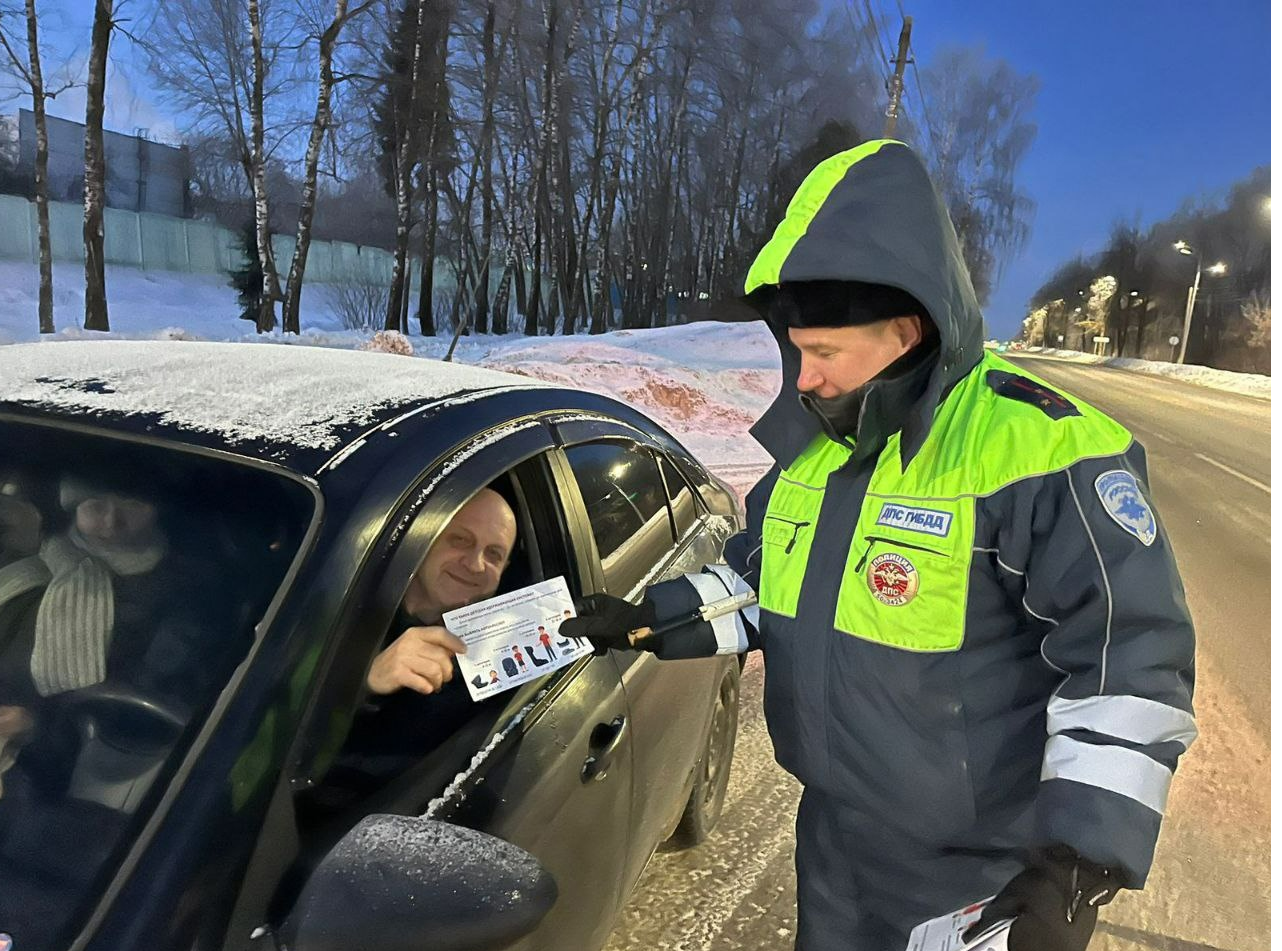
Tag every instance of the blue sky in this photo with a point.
(1143, 103)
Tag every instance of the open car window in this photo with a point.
(402, 749)
(131, 580)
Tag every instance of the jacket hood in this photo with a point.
(869, 214)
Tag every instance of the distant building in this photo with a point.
(141, 175)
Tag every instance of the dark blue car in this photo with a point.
(188, 756)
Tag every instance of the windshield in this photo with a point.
(131, 579)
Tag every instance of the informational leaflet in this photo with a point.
(515, 637)
(945, 932)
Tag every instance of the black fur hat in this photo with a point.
(805, 304)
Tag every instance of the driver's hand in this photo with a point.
(14, 721)
(19, 527)
(421, 659)
(15, 725)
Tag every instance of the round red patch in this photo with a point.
(893, 579)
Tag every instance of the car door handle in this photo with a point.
(605, 741)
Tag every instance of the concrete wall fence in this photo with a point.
(161, 243)
(141, 175)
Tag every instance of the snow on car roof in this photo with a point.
(307, 397)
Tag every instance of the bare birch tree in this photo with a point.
(28, 68)
(204, 57)
(96, 169)
(403, 168)
(258, 174)
(327, 40)
(982, 133)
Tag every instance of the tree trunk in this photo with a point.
(603, 311)
(469, 265)
(96, 171)
(481, 318)
(262, 221)
(42, 171)
(548, 117)
(427, 277)
(503, 295)
(396, 297)
(1140, 321)
(395, 294)
(536, 280)
(502, 298)
(307, 207)
(518, 290)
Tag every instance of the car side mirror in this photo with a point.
(401, 883)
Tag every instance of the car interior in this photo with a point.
(94, 715)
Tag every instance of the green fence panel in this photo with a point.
(164, 243)
(202, 246)
(18, 228)
(122, 237)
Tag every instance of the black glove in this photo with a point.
(607, 621)
(1054, 902)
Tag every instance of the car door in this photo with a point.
(531, 786)
(635, 541)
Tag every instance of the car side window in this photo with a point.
(402, 746)
(685, 512)
(627, 508)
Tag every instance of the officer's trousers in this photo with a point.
(862, 884)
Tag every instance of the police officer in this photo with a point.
(978, 657)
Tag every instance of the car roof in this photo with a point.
(292, 404)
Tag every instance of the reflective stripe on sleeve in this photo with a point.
(1125, 772)
(731, 637)
(736, 585)
(1134, 719)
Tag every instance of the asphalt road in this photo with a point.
(1208, 457)
(1209, 890)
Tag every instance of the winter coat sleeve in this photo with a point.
(741, 572)
(1101, 575)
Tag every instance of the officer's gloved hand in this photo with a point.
(1054, 902)
(607, 621)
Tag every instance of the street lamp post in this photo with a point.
(1218, 268)
(1188, 309)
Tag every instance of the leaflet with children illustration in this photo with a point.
(945, 932)
(514, 638)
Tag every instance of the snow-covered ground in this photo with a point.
(142, 304)
(1248, 384)
(705, 383)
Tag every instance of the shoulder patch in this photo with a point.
(1021, 388)
(1126, 505)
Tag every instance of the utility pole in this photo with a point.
(1188, 309)
(897, 80)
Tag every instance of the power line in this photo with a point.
(876, 26)
(865, 42)
(925, 113)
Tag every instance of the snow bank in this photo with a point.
(1248, 384)
(706, 383)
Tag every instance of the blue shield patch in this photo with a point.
(1126, 505)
